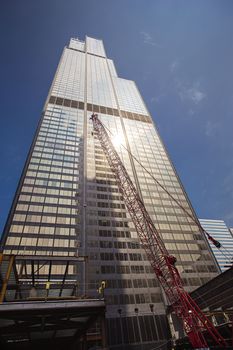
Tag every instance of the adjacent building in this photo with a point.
(67, 202)
(219, 231)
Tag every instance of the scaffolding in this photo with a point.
(38, 310)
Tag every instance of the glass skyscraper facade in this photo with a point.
(67, 202)
(219, 231)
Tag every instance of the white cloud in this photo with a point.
(211, 128)
(148, 40)
(174, 65)
(228, 183)
(157, 99)
(191, 112)
(196, 95)
(190, 92)
(228, 216)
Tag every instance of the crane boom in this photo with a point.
(163, 264)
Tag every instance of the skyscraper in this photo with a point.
(219, 231)
(67, 202)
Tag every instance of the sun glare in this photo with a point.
(117, 140)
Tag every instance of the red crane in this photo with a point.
(163, 264)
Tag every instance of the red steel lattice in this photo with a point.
(163, 264)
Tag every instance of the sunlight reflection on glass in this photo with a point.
(117, 140)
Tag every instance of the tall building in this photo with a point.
(67, 202)
(219, 231)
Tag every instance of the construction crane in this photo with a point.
(163, 264)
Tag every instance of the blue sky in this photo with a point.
(180, 53)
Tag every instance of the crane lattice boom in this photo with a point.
(163, 264)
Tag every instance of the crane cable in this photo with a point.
(216, 243)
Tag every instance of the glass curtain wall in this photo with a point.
(67, 202)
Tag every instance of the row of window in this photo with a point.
(161, 226)
(49, 200)
(135, 269)
(53, 169)
(45, 209)
(55, 130)
(40, 251)
(57, 136)
(58, 144)
(61, 140)
(51, 183)
(41, 242)
(52, 150)
(47, 191)
(141, 269)
(116, 256)
(108, 223)
(52, 162)
(60, 116)
(53, 156)
(42, 230)
(123, 299)
(51, 176)
(46, 219)
(110, 233)
(61, 121)
(116, 244)
(131, 283)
